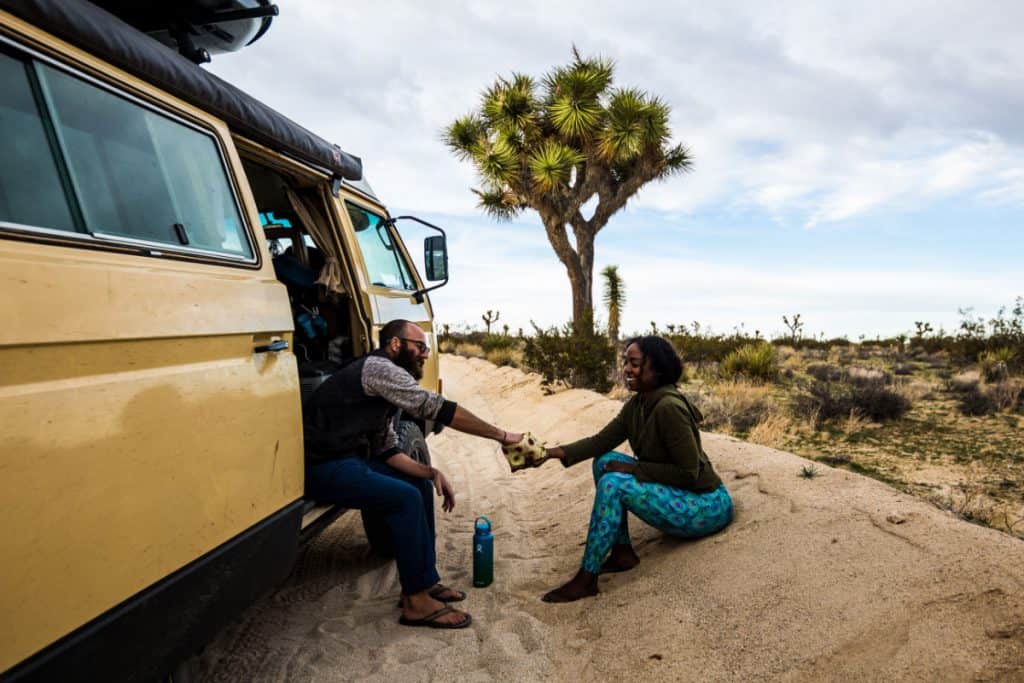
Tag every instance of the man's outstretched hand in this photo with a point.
(527, 451)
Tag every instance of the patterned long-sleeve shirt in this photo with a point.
(382, 377)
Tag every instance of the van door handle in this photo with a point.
(277, 345)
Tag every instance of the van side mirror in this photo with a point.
(435, 255)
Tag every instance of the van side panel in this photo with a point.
(139, 428)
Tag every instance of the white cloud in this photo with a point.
(812, 113)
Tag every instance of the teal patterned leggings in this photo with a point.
(677, 512)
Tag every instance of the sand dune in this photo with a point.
(836, 577)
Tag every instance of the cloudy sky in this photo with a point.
(861, 164)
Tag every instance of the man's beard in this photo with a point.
(410, 361)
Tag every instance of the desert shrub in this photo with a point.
(582, 359)
(863, 377)
(470, 350)
(825, 372)
(995, 364)
(446, 346)
(505, 357)
(784, 352)
(975, 401)
(753, 361)
(965, 381)
(822, 401)
(1006, 394)
(903, 369)
(704, 349)
(986, 398)
(492, 342)
(734, 406)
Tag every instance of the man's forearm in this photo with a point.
(406, 465)
(465, 421)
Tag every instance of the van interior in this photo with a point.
(327, 323)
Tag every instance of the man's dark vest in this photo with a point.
(339, 419)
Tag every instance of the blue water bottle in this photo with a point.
(483, 553)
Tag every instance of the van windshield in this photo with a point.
(385, 265)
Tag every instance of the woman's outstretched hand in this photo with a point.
(555, 452)
(619, 466)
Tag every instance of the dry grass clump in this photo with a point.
(446, 346)
(505, 357)
(470, 350)
(772, 431)
(854, 423)
(735, 406)
(968, 501)
(916, 390)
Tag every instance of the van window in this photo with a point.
(31, 192)
(138, 173)
(384, 263)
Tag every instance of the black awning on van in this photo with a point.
(95, 30)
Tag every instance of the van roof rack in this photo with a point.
(92, 28)
(197, 28)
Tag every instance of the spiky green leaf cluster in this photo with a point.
(532, 142)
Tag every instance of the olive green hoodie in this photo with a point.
(662, 430)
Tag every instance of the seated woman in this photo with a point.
(670, 484)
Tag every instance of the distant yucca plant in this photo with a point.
(753, 361)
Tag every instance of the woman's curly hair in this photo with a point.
(664, 359)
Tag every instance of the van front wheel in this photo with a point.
(412, 442)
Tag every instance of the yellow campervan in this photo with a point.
(178, 264)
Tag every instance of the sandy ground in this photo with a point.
(838, 577)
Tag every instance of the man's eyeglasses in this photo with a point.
(420, 346)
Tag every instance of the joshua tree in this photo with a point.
(554, 145)
(614, 299)
(490, 317)
(795, 328)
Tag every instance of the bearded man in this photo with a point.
(354, 459)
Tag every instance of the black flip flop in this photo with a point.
(438, 594)
(430, 621)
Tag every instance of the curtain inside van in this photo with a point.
(316, 223)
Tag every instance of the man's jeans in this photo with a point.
(403, 504)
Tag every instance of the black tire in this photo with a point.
(412, 443)
(187, 671)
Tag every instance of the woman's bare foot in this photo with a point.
(621, 559)
(583, 585)
(421, 605)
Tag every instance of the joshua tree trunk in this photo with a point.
(578, 262)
